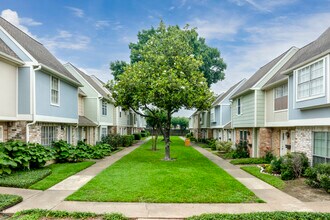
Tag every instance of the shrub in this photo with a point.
(241, 150)
(211, 143)
(143, 134)
(127, 140)
(64, 152)
(189, 135)
(114, 140)
(40, 155)
(248, 161)
(7, 201)
(193, 139)
(319, 176)
(269, 156)
(293, 165)
(137, 136)
(224, 146)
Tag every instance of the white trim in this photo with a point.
(105, 124)
(1, 133)
(19, 46)
(282, 110)
(43, 118)
(328, 80)
(58, 91)
(24, 117)
(295, 72)
(11, 59)
(6, 118)
(16, 90)
(301, 122)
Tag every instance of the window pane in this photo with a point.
(285, 90)
(317, 86)
(320, 143)
(303, 75)
(303, 90)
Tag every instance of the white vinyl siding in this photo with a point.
(310, 81)
(55, 91)
(321, 148)
(104, 108)
(48, 135)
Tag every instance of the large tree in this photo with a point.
(167, 78)
(183, 122)
(212, 67)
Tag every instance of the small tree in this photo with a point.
(167, 78)
(156, 121)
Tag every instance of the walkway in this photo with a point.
(53, 198)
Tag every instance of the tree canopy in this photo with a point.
(183, 122)
(167, 78)
(212, 67)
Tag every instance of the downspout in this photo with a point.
(34, 120)
(98, 119)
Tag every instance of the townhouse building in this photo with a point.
(248, 107)
(38, 95)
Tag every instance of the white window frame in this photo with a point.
(212, 115)
(47, 141)
(104, 108)
(1, 134)
(323, 75)
(313, 147)
(274, 96)
(58, 91)
(239, 106)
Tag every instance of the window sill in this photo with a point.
(56, 105)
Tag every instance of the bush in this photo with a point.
(293, 165)
(127, 140)
(40, 155)
(248, 161)
(224, 146)
(193, 139)
(319, 176)
(114, 140)
(211, 143)
(241, 150)
(137, 136)
(189, 135)
(269, 156)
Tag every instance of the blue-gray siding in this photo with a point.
(226, 114)
(24, 90)
(68, 107)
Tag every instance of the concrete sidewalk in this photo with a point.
(53, 198)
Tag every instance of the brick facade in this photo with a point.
(264, 141)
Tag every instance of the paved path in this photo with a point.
(53, 198)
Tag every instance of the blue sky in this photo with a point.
(91, 33)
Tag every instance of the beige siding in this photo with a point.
(246, 119)
(81, 105)
(8, 87)
(260, 113)
(271, 115)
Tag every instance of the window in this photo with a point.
(120, 112)
(104, 108)
(213, 115)
(103, 132)
(1, 133)
(310, 81)
(55, 90)
(239, 107)
(321, 148)
(48, 135)
(281, 97)
(243, 135)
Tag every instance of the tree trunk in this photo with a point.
(167, 134)
(153, 146)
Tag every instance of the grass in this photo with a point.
(264, 215)
(270, 179)
(7, 201)
(143, 176)
(24, 179)
(36, 214)
(60, 171)
(249, 161)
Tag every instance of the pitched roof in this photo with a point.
(224, 95)
(36, 49)
(92, 82)
(258, 75)
(6, 50)
(83, 121)
(312, 50)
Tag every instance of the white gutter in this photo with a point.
(34, 112)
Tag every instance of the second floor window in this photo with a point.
(310, 81)
(281, 97)
(55, 91)
(239, 106)
(104, 108)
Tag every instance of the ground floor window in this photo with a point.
(321, 147)
(243, 135)
(103, 132)
(48, 135)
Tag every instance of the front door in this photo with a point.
(284, 141)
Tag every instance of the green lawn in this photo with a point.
(142, 176)
(60, 171)
(7, 201)
(270, 179)
(24, 179)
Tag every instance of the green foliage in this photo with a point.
(319, 176)
(117, 68)
(7, 201)
(183, 122)
(114, 140)
(224, 146)
(127, 140)
(25, 178)
(189, 135)
(38, 214)
(241, 150)
(64, 152)
(249, 161)
(137, 136)
(39, 155)
(293, 165)
(270, 179)
(211, 143)
(264, 215)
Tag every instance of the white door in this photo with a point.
(284, 141)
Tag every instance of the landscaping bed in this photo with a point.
(143, 176)
(7, 201)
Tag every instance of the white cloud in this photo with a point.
(76, 11)
(263, 5)
(102, 24)
(102, 72)
(217, 27)
(66, 40)
(267, 41)
(20, 22)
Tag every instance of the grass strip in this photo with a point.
(7, 201)
(143, 176)
(248, 161)
(60, 171)
(270, 179)
(24, 179)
